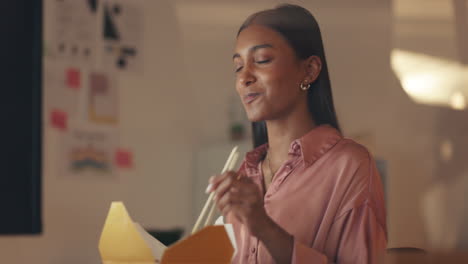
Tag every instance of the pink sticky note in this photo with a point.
(73, 78)
(124, 159)
(58, 119)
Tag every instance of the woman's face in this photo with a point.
(268, 74)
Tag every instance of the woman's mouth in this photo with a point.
(250, 97)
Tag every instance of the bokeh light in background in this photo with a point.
(431, 80)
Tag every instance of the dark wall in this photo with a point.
(20, 116)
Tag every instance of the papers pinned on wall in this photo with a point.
(122, 33)
(104, 33)
(74, 31)
(102, 99)
(88, 44)
(88, 151)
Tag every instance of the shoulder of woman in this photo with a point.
(351, 151)
(360, 180)
(357, 166)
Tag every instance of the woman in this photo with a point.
(305, 194)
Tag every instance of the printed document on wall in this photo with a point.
(88, 151)
(122, 33)
(74, 31)
(102, 99)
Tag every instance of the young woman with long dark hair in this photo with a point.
(305, 194)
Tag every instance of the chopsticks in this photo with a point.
(209, 219)
(230, 164)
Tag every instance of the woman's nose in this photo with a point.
(246, 77)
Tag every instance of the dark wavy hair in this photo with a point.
(299, 27)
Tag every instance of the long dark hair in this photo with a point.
(299, 27)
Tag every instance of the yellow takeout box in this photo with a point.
(126, 242)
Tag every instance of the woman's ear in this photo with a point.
(313, 67)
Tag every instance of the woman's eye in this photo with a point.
(263, 61)
(239, 69)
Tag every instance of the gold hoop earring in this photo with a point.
(304, 87)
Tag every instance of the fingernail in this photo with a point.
(208, 189)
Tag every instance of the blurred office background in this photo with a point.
(399, 70)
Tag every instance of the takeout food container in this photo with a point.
(125, 242)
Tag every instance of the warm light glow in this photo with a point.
(431, 80)
(458, 101)
(423, 87)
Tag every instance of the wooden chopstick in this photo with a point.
(231, 166)
(210, 198)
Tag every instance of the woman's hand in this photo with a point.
(241, 197)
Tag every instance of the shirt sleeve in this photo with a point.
(358, 233)
(356, 237)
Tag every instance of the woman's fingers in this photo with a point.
(224, 186)
(240, 196)
(236, 194)
(225, 210)
(229, 197)
(216, 180)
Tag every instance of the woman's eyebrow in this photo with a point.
(254, 48)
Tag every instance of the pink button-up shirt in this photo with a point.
(328, 195)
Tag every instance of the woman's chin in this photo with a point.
(255, 117)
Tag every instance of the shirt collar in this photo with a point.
(317, 142)
(310, 147)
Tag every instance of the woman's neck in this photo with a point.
(282, 132)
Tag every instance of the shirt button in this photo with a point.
(253, 250)
(296, 147)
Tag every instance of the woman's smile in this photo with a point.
(251, 97)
